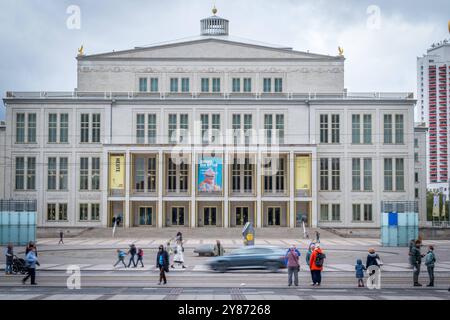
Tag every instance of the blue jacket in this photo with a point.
(31, 260)
(359, 267)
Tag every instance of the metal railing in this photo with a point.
(131, 95)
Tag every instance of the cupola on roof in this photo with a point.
(214, 25)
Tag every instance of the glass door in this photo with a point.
(241, 216)
(178, 216)
(274, 216)
(146, 216)
(209, 216)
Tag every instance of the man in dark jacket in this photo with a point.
(162, 262)
(132, 252)
(416, 259)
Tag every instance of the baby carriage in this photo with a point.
(19, 265)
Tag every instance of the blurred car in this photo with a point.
(205, 250)
(252, 257)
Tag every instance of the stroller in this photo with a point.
(19, 265)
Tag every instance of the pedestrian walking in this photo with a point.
(316, 265)
(31, 262)
(430, 260)
(411, 246)
(30, 246)
(140, 257)
(308, 258)
(373, 259)
(179, 256)
(132, 252)
(179, 237)
(293, 265)
(218, 249)
(121, 258)
(162, 263)
(360, 268)
(317, 236)
(61, 237)
(417, 261)
(114, 221)
(9, 254)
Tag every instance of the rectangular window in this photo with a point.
(247, 128)
(84, 212)
(96, 128)
(416, 157)
(279, 179)
(278, 85)
(142, 84)
(335, 174)
(368, 212)
(204, 118)
(248, 175)
(184, 177)
(20, 128)
(173, 84)
(280, 128)
(139, 178)
(31, 173)
(62, 212)
(268, 127)
(236, 85)
(267, 87)
(356, 129)
(367, 129)
(205, 85)
(388, 175)
(387, 129)
(416, 193)
(367, 174)
(335, 128)
(324, 212)
(51, 212)
(95, 212)
(154, 85)
(416, 177)
(51, 175)
(151, 127)
(399, 175)
(236, 175)
(356, 212)
(416, 143)
(336, 212)
(172, 128)
(31, 127)
(151, 175)
(185, 85)
(20, 173)
(172, 176)
(84, 128)
(52, 127)
(216, 84)
(84, 173)
(184, 126)
(63, 173)
(324, 174)
(356, 174)
(268, 177)
(247, 85)
(95, 173)
(236, 126)
(140, 128)
(399, 129)
(323, 128)
(64, 127)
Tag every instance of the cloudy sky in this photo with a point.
(38, 49)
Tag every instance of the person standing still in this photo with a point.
(61, 237)
(31, 262)
(293, 266)
(317, 237)
(430, 260)
(417, 261)
(316, 265)
(9, 254)
(162, 263)
(218, 249)
(312, 246)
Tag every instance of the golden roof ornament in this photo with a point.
(214, 10)
(448, 26)
(341, 51)
(81, 51)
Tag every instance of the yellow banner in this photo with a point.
(117, 172)
(303, 172)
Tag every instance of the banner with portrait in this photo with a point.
(117, 172)
(210, 174)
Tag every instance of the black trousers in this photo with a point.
(132, 260)
(316, 276)
(140, 259)
(31, 274)
(162, 274)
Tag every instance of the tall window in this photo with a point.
(356, 129)
(216, 84)
(29, 126)
(356, 212)
(356, 174)
(367, 129)
(177, 176)
(280, 128)
(64, 128)
(20, 128)
(242, 175)
(151, 174)
(335, 128)
(399, 175)
(362, 212)
(31, 173)
(51, 211)
(236, 85)
(140, 128)
(51, 177)
(335, 212)
(154, 85)
(247, 128)
(278, 85)
(205, 127)
(63, 173)
(95, 211)
(28, 181)
(267, 85)
(184, 126)
(96, 128)
(323, 128)
(52, 127)
(324, 212)
(185, 85)
(151, 127)
(236, 175)
(20, 173)
(368, 212)
(236, 126)
(399, 129)
(84, 212)
(95, 173)
(389, 171)
(274, 175)
(335, 174)
(387, 129)
(84, 128)
(172, 128)
(84, 173)
(268, 127)
(247, 84)
(367, 174)
(142, 84)
(324, 174)
(357, 170)
(174, 85)
(281, 171)
(388, 183)
(205, 84)
(62, 212)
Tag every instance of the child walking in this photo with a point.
(360, 268)
(121, 258)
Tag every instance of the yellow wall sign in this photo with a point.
(303, 172)
(117, 172)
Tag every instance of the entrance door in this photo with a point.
(178, 216)
(209, 216)
(274, 215)
(145, 216)
(241, 216)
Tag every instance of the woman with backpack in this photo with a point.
(316, 265)
(140, 257)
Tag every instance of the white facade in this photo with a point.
(356, 150)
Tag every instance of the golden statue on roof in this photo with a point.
(214, 10)
(81, 51)
(341, 51)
